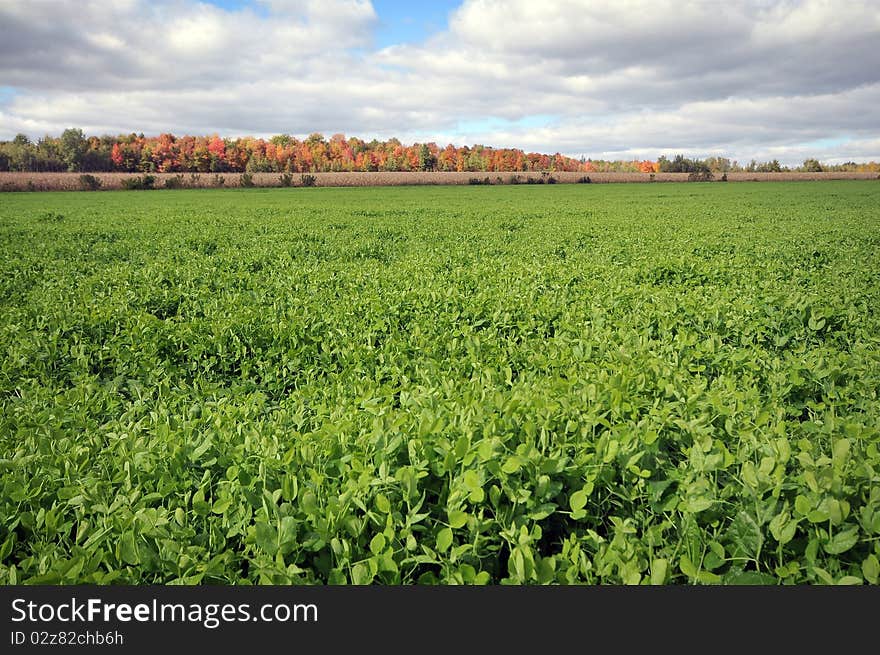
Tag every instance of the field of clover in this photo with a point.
(601, 384)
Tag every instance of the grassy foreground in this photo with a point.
(574, 384)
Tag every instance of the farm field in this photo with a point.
(161, 181)
(600, 384)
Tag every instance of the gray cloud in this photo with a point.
(620, 79)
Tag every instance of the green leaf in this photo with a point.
(649, 437)
(578, 500)
(444, 539)
(518, 565)
(201, 450)
(707, 577)
(472, 480)
(687, 567)
(842, 541)
(511, 465)
(783, 528)
(612, 449)
(6, 548)
(200, 505)
(289, 488)
(871, 568)
(266, 538)
(377, 544)
(818, 515)
(457, 519)
(361, 574)
(740, 577)
(744, 536)
(287, 533)
(221, 506)
(749, 474)
(802, 506)
(542, 511)
(840, 452)
(482, 578)
(128, 551)
(697, 505)
(823, 575)
(546, 570)
(849, 580)
(630, 573)
(659, 568)
(383, 504)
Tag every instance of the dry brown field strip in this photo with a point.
(109, 181)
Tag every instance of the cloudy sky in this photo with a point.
(746, 79)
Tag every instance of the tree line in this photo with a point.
(75, 152)
(682, 164)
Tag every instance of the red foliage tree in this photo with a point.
(315, 154)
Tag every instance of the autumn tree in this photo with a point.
(217, 155)
(168, 153)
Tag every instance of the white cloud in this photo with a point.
(622, 78)
(738, 128)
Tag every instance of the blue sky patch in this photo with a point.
(400, 21)
(830, 142)
(495, 124)
(7, 93)
(411, 22)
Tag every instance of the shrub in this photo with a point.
(195, 179)
(139, 183)
(246, 180)
(514, 179)
(175, 182)
(218, 180)
(286, 179)
(89, 182)
(700, 176)
(584, 180)
(724, 177)
(308, 180)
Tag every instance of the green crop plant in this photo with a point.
(599, 384)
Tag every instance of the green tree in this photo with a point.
(770, 167)
(812, 166)
(18, 154)
(73, 147)
(426, 159)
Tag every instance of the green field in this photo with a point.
(602, 384)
